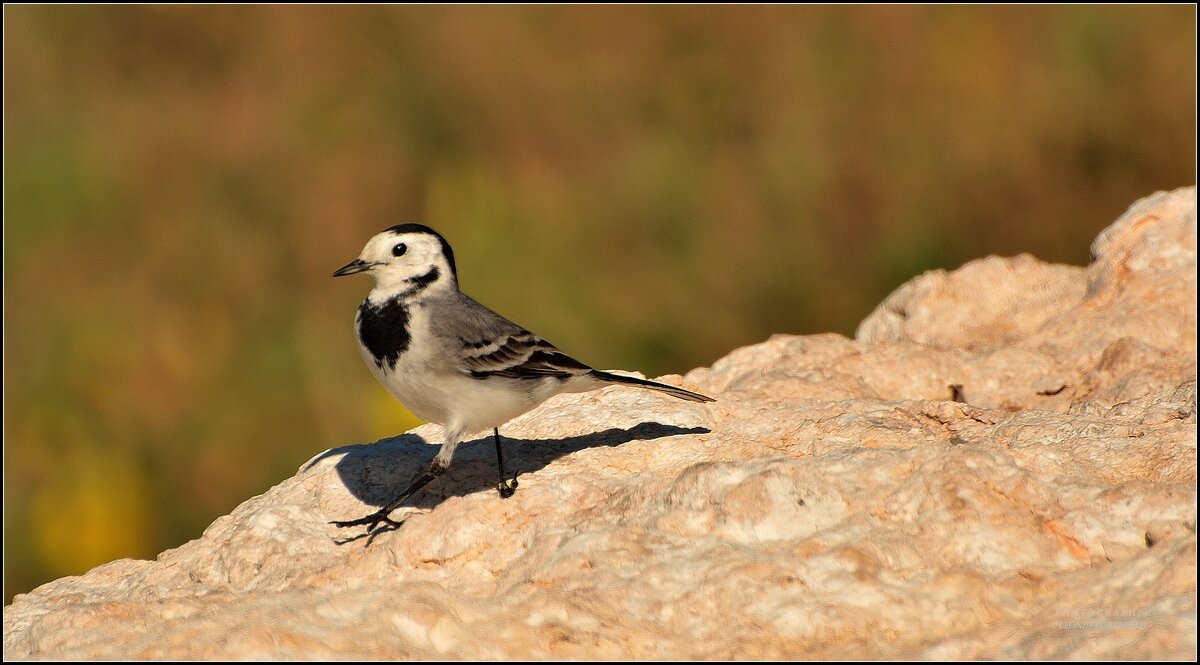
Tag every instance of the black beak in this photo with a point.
(357, 265)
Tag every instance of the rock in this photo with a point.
(1002, 465)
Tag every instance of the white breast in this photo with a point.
(427, 382)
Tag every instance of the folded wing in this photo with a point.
(487, 344)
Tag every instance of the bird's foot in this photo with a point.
(372, 522)
(507, 487)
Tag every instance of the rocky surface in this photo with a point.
(1001, 465)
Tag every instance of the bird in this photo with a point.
(452, 361)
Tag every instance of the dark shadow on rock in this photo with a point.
(376, 473)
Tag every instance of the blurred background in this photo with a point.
(647, 187)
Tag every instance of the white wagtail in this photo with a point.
(451, 360)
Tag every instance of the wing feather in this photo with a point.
(487, 345)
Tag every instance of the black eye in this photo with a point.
(399, 250)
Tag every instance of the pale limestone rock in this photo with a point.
(986, 304)
(836, 502)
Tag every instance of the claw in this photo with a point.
(381, 515)
(371, 521)
(507, 488)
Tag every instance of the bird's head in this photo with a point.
(407, 258)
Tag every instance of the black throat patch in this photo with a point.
(383, 329)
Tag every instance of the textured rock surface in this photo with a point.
(835, 502)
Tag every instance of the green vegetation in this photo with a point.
(648, 187)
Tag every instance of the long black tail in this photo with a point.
(652, 385)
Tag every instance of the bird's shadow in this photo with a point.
(376, 473)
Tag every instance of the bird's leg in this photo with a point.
(382, 515)
(505, 487)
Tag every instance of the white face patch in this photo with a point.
(402, 260)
